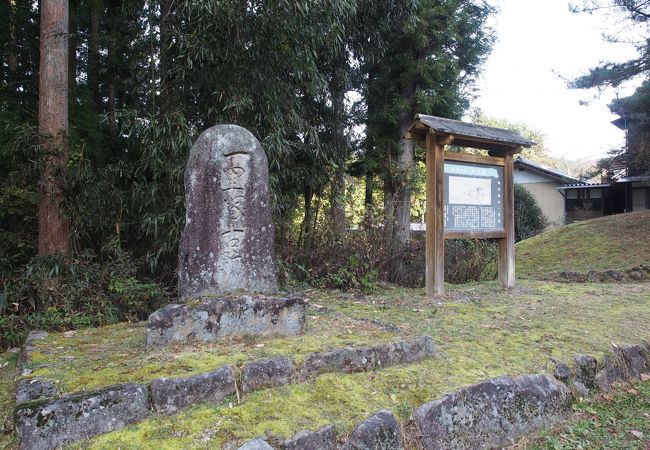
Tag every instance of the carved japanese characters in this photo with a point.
(228, 241)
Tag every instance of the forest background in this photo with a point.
(90, 217)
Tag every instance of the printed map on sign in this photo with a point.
(473, 196)
(470, 191)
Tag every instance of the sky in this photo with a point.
(540, 42)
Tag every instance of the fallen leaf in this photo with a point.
(259, 345)
(645, 377)
(636, 434)
(633, 392)
(69, 334)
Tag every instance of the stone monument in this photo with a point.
(226, 248)
(228, 240)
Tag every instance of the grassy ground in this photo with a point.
(480, 332)
(617, 420)
(597, 244)
(7, 373)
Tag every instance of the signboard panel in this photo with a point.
(473, 197)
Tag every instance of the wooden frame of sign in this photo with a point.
(490, 222)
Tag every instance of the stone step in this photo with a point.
(44, 421)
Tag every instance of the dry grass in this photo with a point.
(617, 242)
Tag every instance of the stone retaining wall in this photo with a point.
(44, 420)
(490, 414)
(639, 273)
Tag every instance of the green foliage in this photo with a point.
(133, 298)
(529, 219)
(607, 421)
(53, 294)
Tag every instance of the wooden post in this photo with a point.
(507, 244)
(435, 242)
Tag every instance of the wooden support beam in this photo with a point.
(478, 234)
(445, 139)
(471, 158)
(507, 244)
(409, 135)
(435, 241)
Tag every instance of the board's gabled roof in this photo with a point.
(470, 132)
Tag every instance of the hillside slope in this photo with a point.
(617, 242)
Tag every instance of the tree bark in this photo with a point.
(389, 205)
(339, 142)
(93, 55)
(72, 51)
(167, 14)
(12, 58)
(404, 168)
(53, 226)
(368, 200)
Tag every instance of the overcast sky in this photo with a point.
(540, 41)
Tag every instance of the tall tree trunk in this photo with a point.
(72, 50)
(389, 205)
(167, 14)
(305, 234)
(12, 58)
(403, 184)
(339, 142)
(368, 200)
(53, 226)
(93, 54)
(338, 200)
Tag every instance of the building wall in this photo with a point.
(640, 200)
(549, 199)
(529, 177)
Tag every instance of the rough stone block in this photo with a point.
(228, 242)
(268, 373)
(378, 432)
(31, 389)
(256, 444)
(562, 371)
(494, 413)
(585, 369)
(405, 352)
(323, 439)
(615, 275)
(53, 424)
(348, 360)
(25, 356)
(215, 318)
(627, 362)
(168, 395)
(637, 359)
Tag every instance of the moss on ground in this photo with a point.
(7, 374)
(480, 332)
(597, 244)
(98, 357)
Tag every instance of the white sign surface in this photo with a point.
(470, 191)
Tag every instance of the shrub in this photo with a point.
(91, 290)
(361, 258)
(529, 219)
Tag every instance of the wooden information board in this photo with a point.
(468, 195)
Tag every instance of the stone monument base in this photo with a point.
(210, 319)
